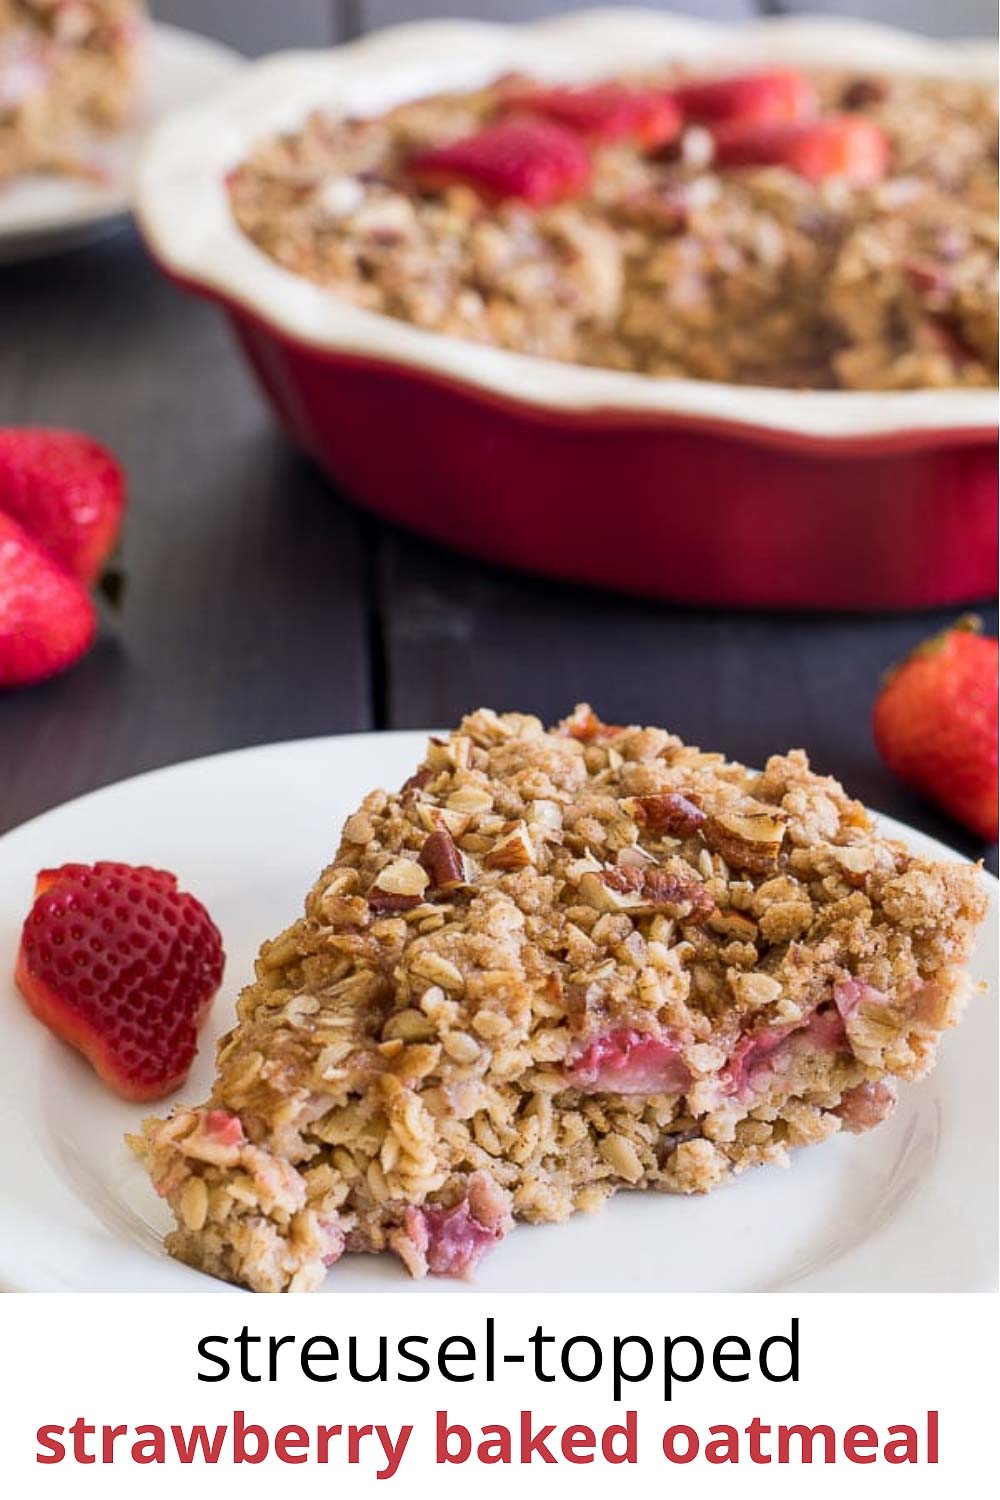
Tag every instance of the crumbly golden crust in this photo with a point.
(555, 964)
(666, 266)
(67, 72)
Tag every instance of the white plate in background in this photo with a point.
(43, 213)
(912, 1206)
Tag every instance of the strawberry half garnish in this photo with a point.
(66, 490)
(935, 724)
(605, 113)
(751, 98)
(47, 621)
(534, 160)
(123, 966)
(846, 146)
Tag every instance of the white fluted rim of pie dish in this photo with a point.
(182, 206)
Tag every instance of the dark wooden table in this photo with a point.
(261, 605)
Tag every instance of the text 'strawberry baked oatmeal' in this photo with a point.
(555, 964)
(781, 229)
(67, 72)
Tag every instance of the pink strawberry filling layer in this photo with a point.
(335, 1243)
(755, 1059)
(929, 1003)
(849, 994)
(453, 1240)
(629, 1062)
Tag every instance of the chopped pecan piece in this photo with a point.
(443, 861)
(417, 781)
(630, 879)
(611, 895)
(667, 812)
(383, 903)
(652, 889)
(747, 840)
(688, 900)
(584, 725)
(512, 851)
(433, 818)
(734, 924)
(860, 92)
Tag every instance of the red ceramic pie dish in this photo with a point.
(685, 490)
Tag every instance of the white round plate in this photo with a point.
(44, 213)
(910, 1207)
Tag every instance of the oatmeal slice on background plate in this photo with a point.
(67, 73)
(554, 964)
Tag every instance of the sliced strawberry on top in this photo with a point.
(846, 146)
(605, 112)
(66, 490)
(47, 621)
(751, 98)
(533, 160)
(123, 966)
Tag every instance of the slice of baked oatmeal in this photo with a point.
(67, 71)
(555, 964)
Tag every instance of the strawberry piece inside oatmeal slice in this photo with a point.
(758, 1056)
(626, 1062)
(225, 1129)
(849, 994)
(748, 1058)
(453, 1240)
(867, 1105)
(536, 161)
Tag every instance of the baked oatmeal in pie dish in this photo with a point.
(556, 964)
(68, 74)
(800, 228)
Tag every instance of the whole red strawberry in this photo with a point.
(122, 965)
(935, 724)
(47, 621)
(66, 490)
